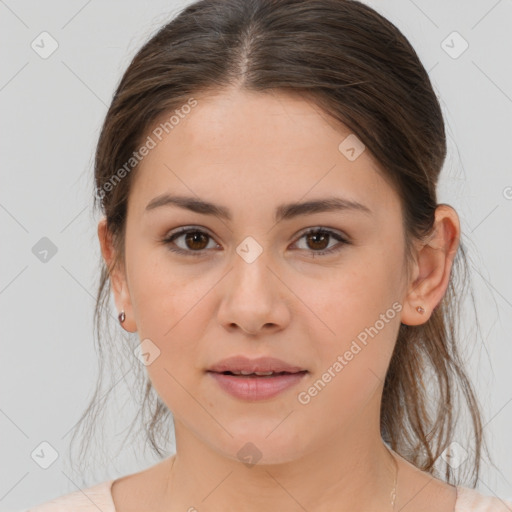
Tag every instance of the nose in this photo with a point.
(254, 298)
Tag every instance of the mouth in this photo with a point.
(259, 367)
(255, 387)
(243, 373)
(249, 379)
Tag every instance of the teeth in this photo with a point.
(243, 372)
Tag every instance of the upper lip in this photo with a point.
(260, 364)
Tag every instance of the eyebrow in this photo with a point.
(283, 212)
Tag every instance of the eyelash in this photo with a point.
(343, 241)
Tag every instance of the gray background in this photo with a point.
(52, 109)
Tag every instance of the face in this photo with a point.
(251, 284)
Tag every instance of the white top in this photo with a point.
(99, 497)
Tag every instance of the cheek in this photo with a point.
(355, 315)
(172, 307)
(351, 297)
(170, 314)
(352, 361)
(160, 294)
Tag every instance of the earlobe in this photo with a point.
(433, 267)
(117, 277)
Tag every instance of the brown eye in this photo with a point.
(317, 241)
(194, 241)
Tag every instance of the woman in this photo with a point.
(267, 173)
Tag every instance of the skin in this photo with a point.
(251, 152)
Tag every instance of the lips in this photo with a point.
(255, 379)
(262, 366)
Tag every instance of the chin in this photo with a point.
(263, 445)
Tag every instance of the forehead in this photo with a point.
(250, 149)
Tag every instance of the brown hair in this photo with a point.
(358, 68)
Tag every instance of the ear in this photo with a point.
(117, 275)
(432, 268)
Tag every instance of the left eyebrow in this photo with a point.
(330, 204)
(283, 212)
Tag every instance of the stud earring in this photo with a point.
(121, 317)
(420, 309)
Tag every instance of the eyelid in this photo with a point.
(183, 230)
(320, 228)
(342, 238)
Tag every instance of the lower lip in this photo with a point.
(257, 388)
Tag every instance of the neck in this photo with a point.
(342, 474)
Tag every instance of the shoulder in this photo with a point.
(92, 499)
(471, 500)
